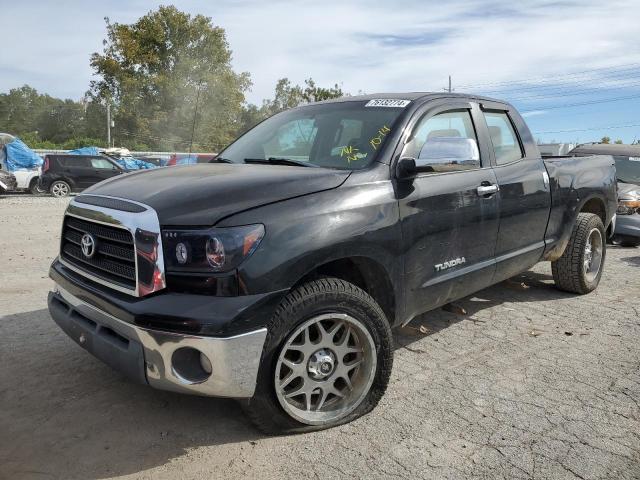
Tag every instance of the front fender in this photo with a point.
(306, 232)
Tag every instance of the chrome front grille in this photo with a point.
(114, 258)
(126, 252)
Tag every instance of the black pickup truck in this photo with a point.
(275, 274)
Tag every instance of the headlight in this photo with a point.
(209, 250)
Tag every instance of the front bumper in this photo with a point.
(164, 360)
(628, 225)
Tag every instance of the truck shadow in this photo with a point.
(66, 415)
(529, 286)
(632, 261)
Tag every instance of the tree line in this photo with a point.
(169, 84)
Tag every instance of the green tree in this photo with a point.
(605, 140)
(618, 142)
(167, 75)
(25, 112)
(287, 95)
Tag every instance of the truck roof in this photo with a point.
(411, 96)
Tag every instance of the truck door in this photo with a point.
(525, 198)
(449, 212)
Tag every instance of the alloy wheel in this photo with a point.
(325, 369)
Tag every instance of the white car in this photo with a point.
(28, 180)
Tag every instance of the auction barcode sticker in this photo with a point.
(388, 102)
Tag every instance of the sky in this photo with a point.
(571, 67)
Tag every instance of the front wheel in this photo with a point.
(326, 361)
(34, 187)
(580, 268)
(60, 189)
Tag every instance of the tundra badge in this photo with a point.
(450, 263)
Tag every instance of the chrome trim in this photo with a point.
(235, 360)
(3, 185)
(147, 241)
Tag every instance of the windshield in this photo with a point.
(628, 169)
(344, 135)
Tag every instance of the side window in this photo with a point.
(292, 140)
(75, 162)
(503, 137)
(445, 142)
(102, 164)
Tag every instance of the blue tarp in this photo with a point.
(85, 151)
(130, 163)
(21, 157)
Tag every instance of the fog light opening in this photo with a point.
(190, 365)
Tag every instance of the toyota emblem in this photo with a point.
(88, 244)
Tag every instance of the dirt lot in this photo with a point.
(530, 383)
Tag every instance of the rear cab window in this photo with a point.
(504, 139)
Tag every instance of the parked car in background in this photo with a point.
(8, 182)
(627, 159)
(27, 175)
(28, 180)
(63, 174)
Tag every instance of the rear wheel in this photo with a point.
(326, 361)
(580, 268)
(60, 188)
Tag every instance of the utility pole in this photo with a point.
(449, 89)
(195, 112)
(108, 124)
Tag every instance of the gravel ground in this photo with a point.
(529, 383)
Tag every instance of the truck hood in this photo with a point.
(205, 194)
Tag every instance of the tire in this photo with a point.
(60, 189)
(34, 187)
(333, 311)
(580, 268)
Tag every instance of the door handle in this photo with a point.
(484, 190)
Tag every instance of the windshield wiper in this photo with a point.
(220, 160)
(279, 161)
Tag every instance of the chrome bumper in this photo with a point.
(234, 360)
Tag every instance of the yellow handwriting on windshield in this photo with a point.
(350, 152)
(376, 141)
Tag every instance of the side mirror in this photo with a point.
(406, 168)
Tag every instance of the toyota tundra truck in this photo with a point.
(275, 274)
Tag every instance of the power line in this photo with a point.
(579, 104)
(570, 93)
(610, 127)
(548, 78)
(610, 82)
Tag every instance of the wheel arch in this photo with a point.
(364, 272)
